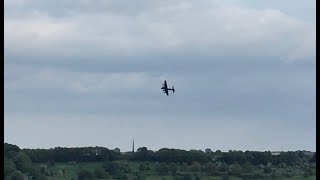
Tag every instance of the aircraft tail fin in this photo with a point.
(173, 89)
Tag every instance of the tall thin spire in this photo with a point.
(133, 145)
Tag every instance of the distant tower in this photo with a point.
(133, 146)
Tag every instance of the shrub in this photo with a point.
(84, 174)
(267, 169)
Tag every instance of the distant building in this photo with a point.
(307, 153)
(275, 153)
(127, 153)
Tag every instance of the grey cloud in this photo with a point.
(102, 63)
(204, 31)
(60, 8)
(299, 9)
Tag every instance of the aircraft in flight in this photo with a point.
(166, 89)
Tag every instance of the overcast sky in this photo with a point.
(89, 73)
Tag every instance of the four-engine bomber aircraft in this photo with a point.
(166, 89)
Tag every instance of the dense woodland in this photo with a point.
(22, 163)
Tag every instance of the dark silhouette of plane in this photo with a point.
(166, 89)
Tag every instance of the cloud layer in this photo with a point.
(98, 65)
(179, 26)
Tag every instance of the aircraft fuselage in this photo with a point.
(166, 89)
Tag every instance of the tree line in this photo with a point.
(18, 162)
(101, 154)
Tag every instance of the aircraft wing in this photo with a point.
(166, 91)
(165, 88)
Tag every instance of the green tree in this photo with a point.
(120, 175)
(195, 166)
(111, 167)
(17, 176)
(42, 170)
(42, 177)
(184, 166)
(208, 151)
(99, 173)
(9, 167)
(124, 177)
(211, 168)
(172, 168)
(50, 163)
(183, 177)
(247, 167)
(308, 171)
(22, 162)
(162, 168)
(141, 154)
(186, 177)
(267, 169)
(142, 167)
(84, 174)
(117, 150)
(313, 158)
(147, 164)
(10, 149)
(196, 177)
(225, 177)
(223, 167)
(273, 175)
(235, 169)
(125, 167)
(139, 176)
(34, 172)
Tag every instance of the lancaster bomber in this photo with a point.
(166, 89)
